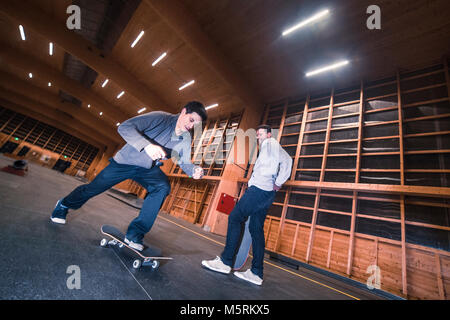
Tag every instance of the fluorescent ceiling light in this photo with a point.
(22, 32)
(212, 106)
(333, 66)
(105, 83)
(120, 94)
(141, 110)
(101, 113)
(137, 39)
(159, 59)
(186, 85)
(50, 48)
(30, 75)
(305, 22)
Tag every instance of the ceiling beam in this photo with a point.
(185, 25)
(43, 97)
(28, 63)
(56, 119)
(36, 19)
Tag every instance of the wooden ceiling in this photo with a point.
(237, 56)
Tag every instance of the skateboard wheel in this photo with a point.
(155, 264)
(103, 243)
(137, 264)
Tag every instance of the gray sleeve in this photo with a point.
(182, 155)
(285, 167)
(132, 130)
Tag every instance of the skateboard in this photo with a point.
(244, 248)
(146, 257)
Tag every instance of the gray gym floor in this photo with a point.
(37, 254)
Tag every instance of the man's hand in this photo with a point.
(276, 188)
(198, 173)
(155, 152)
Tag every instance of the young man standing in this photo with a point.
(271, 170)
(149, 137)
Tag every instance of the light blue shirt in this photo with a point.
(273, 166)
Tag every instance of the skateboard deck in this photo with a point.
(244, 248)
(147, 257)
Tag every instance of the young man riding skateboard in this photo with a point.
(150, 137)
(271, 170)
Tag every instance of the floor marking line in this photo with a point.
(131, 274)
(269, 263)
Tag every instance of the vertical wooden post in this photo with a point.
(327, 137)
(283, 217)
(322, 175)
(283, 118)
(439, 276)
(210, 208)
(202, 202)
(402, 182)
(330, 247)
(294, 243)
(447, 75)
(300, 139)
(220, 143)
(376, 252)
(357, 174)
(266, 236)
(400, 130)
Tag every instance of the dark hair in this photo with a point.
(264, 126)
(197, 107)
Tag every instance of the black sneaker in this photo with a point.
(59, 213)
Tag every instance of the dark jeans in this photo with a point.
(254, 204)
(154, 180)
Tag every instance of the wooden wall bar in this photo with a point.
(190, 199)
(389, 135)
(45, 140)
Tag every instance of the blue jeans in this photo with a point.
(254, 203)
(153, 180)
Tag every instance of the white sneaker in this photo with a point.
(216, 265)
(134, 245)
(249, 276)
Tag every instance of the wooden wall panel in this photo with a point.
(422, 272)
(366, 252)
(287, 238)
(320, 247)
(271, 231)
(339, 253)
(390, 264)
(301, 242)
